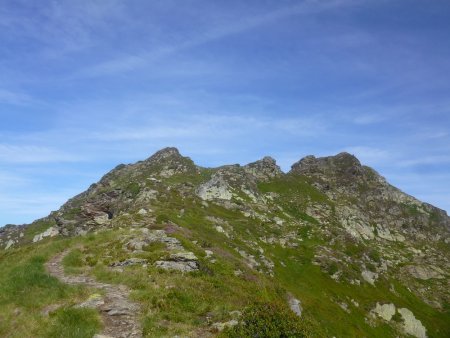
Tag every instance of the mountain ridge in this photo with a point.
(331, 216)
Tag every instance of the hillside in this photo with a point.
(197, 252)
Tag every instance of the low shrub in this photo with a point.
(268, 320)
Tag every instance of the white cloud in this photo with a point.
(33, 154)
(423, 160)
(239, 25)
(8, 179)
(16, 98)
(366, 119)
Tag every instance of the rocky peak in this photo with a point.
(342, 164)
(168, 162)
(165, 153)
(264, 169)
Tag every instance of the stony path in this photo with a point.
(119, 314)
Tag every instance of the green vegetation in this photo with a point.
(26, 290)
(288, 240)
(271, 320)
(74, 323)
(37, 227)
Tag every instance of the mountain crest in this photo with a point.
(264, 169)
(343, 163)
(329, 221)
(163, 154)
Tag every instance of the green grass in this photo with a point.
(73, 261)
(181, 304)
(290, 186)
(29, 278)
(26, 290)
(74, 323)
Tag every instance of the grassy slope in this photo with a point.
(181, 304)
(26, 291)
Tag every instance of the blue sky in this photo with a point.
(87, 84)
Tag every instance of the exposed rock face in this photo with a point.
(231, 182)
(411, 325)
(215, 188)
(129, 262)
(180, 261)
(169, 162)
(164, 154)
(50, 232)
(385, 311)
(9, 244)
(264, 169)
(295, 306)
(425, 272)
(137, 243)
(343, 164)
(369, 276)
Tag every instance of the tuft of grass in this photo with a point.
(28, 285)
(73, 259)
(74, 323)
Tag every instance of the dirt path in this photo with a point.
(119, 314)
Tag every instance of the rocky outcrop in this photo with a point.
(9, 244)
(343, 166)
(50, 232)
(385, 311)
(411, 325)
(180, 261)
(264, 169)
(230, 182)
(369, 276)
(129, 262)
(140, 240)
(295, 306)
(215, 188)
(168, 162)
(425, 272)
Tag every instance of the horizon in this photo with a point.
(87, 85)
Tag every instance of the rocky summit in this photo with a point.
(166, 248)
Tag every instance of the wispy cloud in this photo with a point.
(8, 179)
(34, 154)
(427, 159)
(365, 119)
(58, 27)
(15, 98)
(202, 127)
(133, 62)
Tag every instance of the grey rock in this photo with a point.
(295, 306)
(424, 272)
(178, 266)
(264, 169)
(129, 262)
(385, 311)
(411, 325)
(50, 232)
(222, 326)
